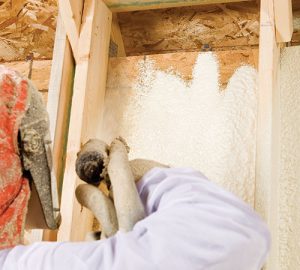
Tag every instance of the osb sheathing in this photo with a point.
(27, 29)
(190, 28)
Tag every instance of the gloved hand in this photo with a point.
(97, 162)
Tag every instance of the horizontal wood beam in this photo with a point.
(283, 20)
(132, 5)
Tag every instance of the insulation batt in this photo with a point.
(191, 224)
(194, 124)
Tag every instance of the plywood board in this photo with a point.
(31, 29)
(27, 27)
(220, 27)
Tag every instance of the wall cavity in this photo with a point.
(194, 123)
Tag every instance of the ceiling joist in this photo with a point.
(132, 5)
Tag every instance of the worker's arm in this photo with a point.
(190, 224)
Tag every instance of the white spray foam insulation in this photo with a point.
(289, 184)
(193, 124)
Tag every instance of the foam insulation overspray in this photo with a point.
(194, 124)
(289, 184)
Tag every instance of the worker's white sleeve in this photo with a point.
(191, 224)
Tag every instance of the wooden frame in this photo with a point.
(283, 20)
(275, 27)
(133, 5)
(75, 49)
(87, 94)
(70, 14)
(87, 109)
(267, 153)
(59, 105)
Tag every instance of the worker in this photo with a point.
(24, 159)
(159, 218)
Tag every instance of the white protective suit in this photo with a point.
(191, 224)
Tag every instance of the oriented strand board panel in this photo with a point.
(27, 27)
(223, 27)
(289, 185)
(176, 109)
(30, 28)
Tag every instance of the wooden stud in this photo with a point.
(86, 111)
(71, 13)
(116, 35)
(132, 5)
(268, 129)
(59, 104)
(283, 20)
(62, 69)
